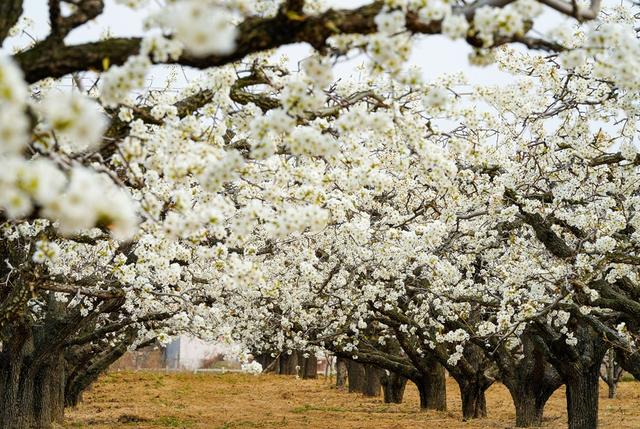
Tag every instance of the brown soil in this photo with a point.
(225, 401)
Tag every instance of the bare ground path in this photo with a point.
(232, 401)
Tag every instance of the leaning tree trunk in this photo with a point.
(269, 363)
(371, 385)
(393, 387)
(582, 398)
(432, 387)
(341, 372)
(89, 369)
(355, 376)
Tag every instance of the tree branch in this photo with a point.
(10, 12)
(47, 59)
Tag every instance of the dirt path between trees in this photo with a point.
(232, 401)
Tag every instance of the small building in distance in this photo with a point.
(188, 353)
(183, 353)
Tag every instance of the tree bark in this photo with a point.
(582, 399)
(355, 376)
(612, 373)
(579, 366)
(432, 388)
(372, 385)
(310, 367)
(531, 381)
(529, 409)
(48, 399)
(291, 364)
(15, 406)
(393, 386)
(474, 403)
(341, 372)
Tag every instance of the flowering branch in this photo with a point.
(52, 58)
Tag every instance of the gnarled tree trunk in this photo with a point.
(30, 388)
(48, 397)
(291, 364)
(579, 365)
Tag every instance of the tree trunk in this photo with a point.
(372, 385)
(356, 376)
(474, 403)
(529, 409)
(612, 372)
(48, 399)
(83, 376)
(291, 364)
(530, 389)
(341, 372)
(393, 387)
(310, 367)
(432, 388)
(266, 360)
(10, 372)
(531, 381)
(582, 399)
(16, 404)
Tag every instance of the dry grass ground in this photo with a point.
(233, 401)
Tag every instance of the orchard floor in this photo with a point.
(232, 401)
